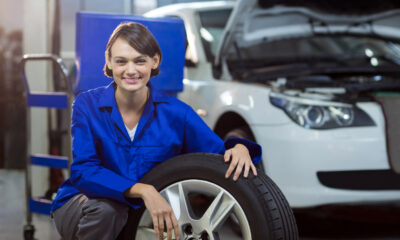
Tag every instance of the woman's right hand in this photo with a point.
(159, 209)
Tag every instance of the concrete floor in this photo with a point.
(12, 210)
(12, 219)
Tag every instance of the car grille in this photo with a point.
(391, 108)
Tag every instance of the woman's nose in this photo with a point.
(131, 68)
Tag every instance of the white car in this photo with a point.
(317, 90)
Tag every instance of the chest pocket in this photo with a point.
(152, 156)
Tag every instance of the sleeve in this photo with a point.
(88, 174)
(198, 137)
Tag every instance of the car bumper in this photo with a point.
(294, 157)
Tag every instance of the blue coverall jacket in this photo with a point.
(106, 162)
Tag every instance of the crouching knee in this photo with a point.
(106, 209)
(102, 219)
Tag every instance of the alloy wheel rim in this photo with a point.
(204, 210)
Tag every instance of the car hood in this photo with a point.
(253, 21)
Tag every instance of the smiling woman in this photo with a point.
(123, 130)
(132, 69)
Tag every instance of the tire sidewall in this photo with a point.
(212, 169)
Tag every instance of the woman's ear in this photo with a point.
(156, 60)
(108, 62)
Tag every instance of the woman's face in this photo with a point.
(131, 69)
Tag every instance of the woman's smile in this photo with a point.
(132, 80)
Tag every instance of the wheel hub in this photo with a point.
(190, 235)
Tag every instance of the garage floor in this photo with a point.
(12, 210)
(12, 219)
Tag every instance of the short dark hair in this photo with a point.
(138, 37)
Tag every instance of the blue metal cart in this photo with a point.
(54, 100)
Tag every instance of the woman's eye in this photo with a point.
(120, 61)
(140, 61)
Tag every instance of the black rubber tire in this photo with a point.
(266, 209)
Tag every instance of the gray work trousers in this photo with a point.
(83, 218)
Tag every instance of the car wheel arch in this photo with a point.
(229, 121)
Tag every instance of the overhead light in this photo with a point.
(369, 52)
(206, 35)
(374, 61)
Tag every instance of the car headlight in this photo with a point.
(321, 115)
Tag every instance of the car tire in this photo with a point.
(256, 204)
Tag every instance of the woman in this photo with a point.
(121, 131)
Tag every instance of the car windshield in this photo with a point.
(340, 50)
(212, 24)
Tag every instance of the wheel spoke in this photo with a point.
(219, 219)
(214, 206)
(218, 211)
(176, 197)
(171, 194)
(214, 236)
(183, 204)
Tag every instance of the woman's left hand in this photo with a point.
(239, 157)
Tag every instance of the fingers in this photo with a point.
(237, 165)
(227, 155)
(167, 218)
(161, 227)
(175, 226)
(231, 167)
(239, 169)
(246, 170)
(171, 223)
(158, 224)
(161, 213)
(253, 168)
(155, 225)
